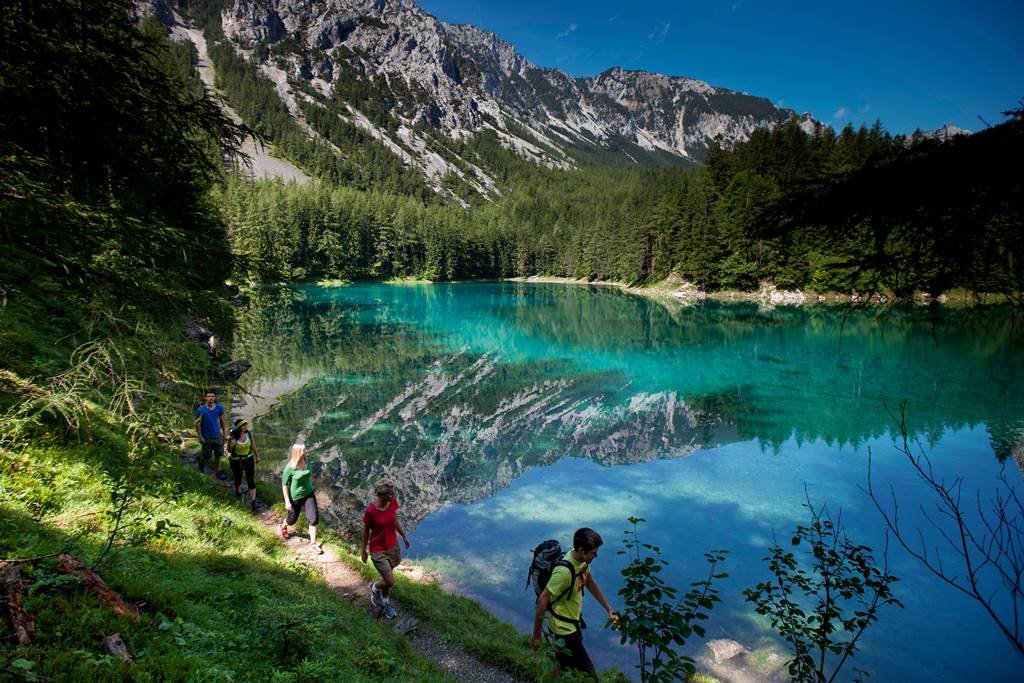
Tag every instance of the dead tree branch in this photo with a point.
(72, 566)
(985, 540)
(11, 589)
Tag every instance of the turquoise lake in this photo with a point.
(509, 413)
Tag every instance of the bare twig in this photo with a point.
(989, 549)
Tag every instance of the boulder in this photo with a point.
(723, 649)
(115, 646)
(201, 335)
(232, 370)
(731, 662)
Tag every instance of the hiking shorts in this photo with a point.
(212, 448)
(387, 560)
(308, 505)
(572, 655)
(248, 465)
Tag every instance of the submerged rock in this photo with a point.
(731, 662)
(723, 649)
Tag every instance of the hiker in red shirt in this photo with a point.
(380, 522)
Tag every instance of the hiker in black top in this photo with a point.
(562, 601)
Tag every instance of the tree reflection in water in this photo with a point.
(455, 390)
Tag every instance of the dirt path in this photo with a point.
(349, 584)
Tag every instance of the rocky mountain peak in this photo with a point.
(946, 132)
(460, 79)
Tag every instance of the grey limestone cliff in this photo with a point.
(459, 79)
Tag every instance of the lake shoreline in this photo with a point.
(678, 290)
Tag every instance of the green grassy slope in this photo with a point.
(221, 598)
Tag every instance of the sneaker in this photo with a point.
(389, 611)
(317, 548)
(284, 532)
(252, 505)
(221, 476)
(376, 599)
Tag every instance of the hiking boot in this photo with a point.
(389, 611)
(252, 505)
(221, 476)
(202, 464)
(376, 599)
(317, 548)
(284, 532)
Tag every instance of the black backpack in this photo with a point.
(546, 557)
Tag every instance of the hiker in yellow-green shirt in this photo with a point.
(562, 600)
(243, 457)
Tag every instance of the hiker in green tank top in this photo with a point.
(562, 601)
(297, 487)
(242, 456)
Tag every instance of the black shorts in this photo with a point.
(248, 465)
(308, 504)
(212, 448)
(572, 655)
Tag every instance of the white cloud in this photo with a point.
(780, 103)
(660, 32)
(865, 109)
(568, 29)
(841, 113)
(736, 5)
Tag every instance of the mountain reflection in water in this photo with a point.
(453, 391)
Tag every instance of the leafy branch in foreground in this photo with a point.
(95, 369)
(822, 608)
(985, 538)
(653, 619)
(96, 388)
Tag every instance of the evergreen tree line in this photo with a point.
(860, 210)
(283, 232)
(290, 232)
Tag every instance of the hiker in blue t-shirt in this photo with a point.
(211, 428)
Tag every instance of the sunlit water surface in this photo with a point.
(512, 413)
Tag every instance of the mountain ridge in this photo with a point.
(460, 80)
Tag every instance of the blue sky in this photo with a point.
(911, 64)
